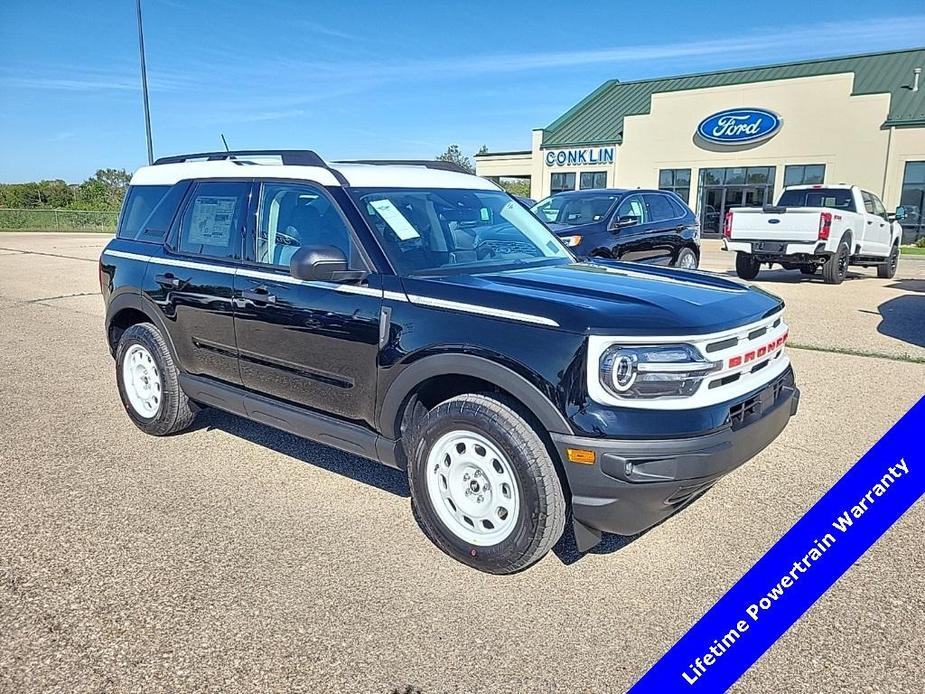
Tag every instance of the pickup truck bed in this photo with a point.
(813, 227)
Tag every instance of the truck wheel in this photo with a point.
(484, 486)
(887, 270)
(808, 269)
(746, 266)
(686, 259)
(147, 380)
(836, 267)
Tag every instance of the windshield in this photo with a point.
(572, 209)
(428, 231)
(834, 198)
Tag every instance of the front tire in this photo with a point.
(887, 270)
(148, 382)
(746, 266)
(836, 267)
(484, 486)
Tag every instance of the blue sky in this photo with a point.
(369, 79)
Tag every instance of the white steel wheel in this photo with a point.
(472, 488)
(142, 381)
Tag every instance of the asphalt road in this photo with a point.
(238, 558)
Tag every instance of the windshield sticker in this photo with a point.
(212, 219)
(395, 219)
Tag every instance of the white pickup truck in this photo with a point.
(813, 226)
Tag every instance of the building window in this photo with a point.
(803, 174)
(912, 199)
(592, 179)
(559, 182)
(678, 181)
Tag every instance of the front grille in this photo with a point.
(741, 412)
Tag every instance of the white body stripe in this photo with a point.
(343, 288)
(480, 310)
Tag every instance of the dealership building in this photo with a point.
(737, 137)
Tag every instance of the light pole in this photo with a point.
(144, 81)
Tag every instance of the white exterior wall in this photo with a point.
(822, 124)
(907, 144)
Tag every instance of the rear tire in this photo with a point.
(686, 259)
(746, 266)
(483, 485)
(836, 267)
(148, 385)
(887, 270)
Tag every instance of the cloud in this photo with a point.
(766, 43)
(325, 30)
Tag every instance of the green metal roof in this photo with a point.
(598, 118)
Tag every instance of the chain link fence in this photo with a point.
(57, 220)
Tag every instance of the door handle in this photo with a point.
(168, 280)
(680, 227)
(260, 295)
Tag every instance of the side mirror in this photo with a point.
(623, 222)
(900, 213)
(322, 264)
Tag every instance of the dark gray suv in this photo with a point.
(651, 226)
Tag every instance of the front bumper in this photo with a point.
(634, 484)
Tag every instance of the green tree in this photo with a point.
(103, 191)
(454, 155)
(516, 186)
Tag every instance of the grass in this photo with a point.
(912, 250)
(58, 231)
(907, 358)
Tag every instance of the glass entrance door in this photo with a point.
(721, 189)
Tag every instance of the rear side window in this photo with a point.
(148, 212)
(660, 209)
(680, 210)
(833, 198)
(213, 220)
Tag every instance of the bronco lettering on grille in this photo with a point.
(762, 351)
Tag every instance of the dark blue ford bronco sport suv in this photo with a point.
(421, 317)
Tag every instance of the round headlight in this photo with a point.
(623, 371)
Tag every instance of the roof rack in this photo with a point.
(289, 157)
(427, 163)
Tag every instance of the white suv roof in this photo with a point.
(307, 165)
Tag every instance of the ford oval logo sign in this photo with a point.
(739, 126)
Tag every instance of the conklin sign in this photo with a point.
(577, 157)
(739, 126)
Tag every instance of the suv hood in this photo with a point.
(606, 297)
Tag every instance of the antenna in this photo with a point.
(225, 142)
(144, 81)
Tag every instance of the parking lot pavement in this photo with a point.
(238, 558)
(863, 314)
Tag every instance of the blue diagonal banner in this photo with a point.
(799, 568)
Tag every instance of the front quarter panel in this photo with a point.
(551, 360)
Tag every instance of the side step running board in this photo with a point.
(315, 426)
